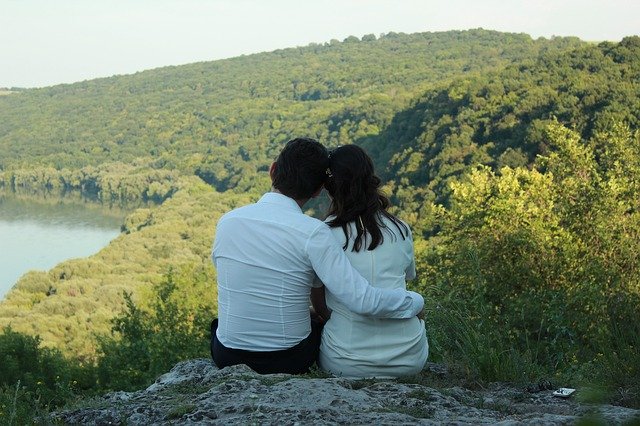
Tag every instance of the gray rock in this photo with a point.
(196, 392)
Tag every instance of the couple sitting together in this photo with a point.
(271, 259)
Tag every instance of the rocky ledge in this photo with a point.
(197, 392)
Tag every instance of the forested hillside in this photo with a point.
(225, 120)
(516, 162)
(500, 118)
(74, 302)
(130, 138)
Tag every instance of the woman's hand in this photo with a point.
(321, 317)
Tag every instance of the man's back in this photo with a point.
(264, 274)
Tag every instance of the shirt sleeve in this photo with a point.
(317, 282)
(333, 268)
(410, 272)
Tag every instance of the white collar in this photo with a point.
(281, 200)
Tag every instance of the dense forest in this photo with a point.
(516, 162)
(225, 120)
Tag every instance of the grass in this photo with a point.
(477, 354)
(421, 394)
(316, 373)
(186, 388)
(360, 383)
(180, 410)
(14, 405)
(455, 375)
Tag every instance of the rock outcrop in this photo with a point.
(196, 392)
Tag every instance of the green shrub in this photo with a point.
(537, 272)
(34, 379)
(146, 342)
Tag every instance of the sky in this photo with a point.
(48, 42)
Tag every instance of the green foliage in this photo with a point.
(536, 271)
(147, 339)
(18, 406)
(42, 371)
(34, 379)
(499, 118)
(115, 183)
(516, 162)
(147, 342)
(89, 292)
(472, 344)
(614, 374)
(225, 121)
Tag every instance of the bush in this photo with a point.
(34, 380)
(147, 342)
(537, 272)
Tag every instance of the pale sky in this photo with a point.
(47, 42)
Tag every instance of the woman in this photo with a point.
(380, 247)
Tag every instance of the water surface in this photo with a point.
(41, 234)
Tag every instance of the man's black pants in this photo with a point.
(295, 360)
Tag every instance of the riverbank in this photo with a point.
(39, 233)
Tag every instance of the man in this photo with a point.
(267, 256)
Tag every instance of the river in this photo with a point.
(40, 234)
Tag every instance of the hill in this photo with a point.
(71, 304)
(225, 120)
(515, 161)
(499, 118)
(144, 136)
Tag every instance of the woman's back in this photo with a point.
(360, 346)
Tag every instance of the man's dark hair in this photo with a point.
(301, 168)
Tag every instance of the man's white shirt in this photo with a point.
(267, 256)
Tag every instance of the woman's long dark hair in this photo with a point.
(356, 197)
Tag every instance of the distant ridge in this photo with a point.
(224, 120)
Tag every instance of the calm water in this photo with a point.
(39, 235)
